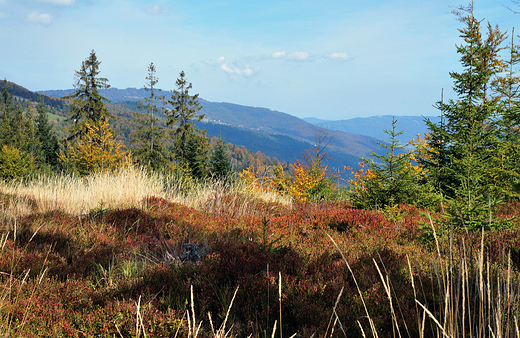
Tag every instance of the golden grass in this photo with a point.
(125, 188)
(477, 298)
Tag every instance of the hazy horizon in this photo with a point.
(333, 59)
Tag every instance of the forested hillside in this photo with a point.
(346, 149)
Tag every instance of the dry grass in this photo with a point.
(124, 188)
(477, 298)
(12, 208)
(128, 187)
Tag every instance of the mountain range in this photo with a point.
(274, 133)
(277, 134)
(375, 126)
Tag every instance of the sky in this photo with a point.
(328, 59)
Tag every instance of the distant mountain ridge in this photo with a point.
(22, 92)
(374, 126)
(347, 148)
(274, 122)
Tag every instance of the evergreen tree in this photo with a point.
(183, 115)
(48, 140)
(16, 126)
(189, 143)
(465, 165)
(6, 116)
(391, 180)
(196, 155)
(149, 148)
(88, 106)
(462, 141)
(506, 158)
(220, 164)
(31, 141)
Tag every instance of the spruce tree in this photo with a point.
(196, 155)
(506, 157)
(6, 116)
(181, 117)
(220, 164)
(464, 164)
(48, 140)
(88, 106)
(149, 147)
(31, 140)
(391, 180)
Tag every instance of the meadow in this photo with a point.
(133, 254)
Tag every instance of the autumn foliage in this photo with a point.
(98, 150)
(301, 185)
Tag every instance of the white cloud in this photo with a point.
(232, 69)
(156, 9)
(59, 2)
(298, 56)
(43, 18)
(338, 56)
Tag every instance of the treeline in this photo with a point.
(27, 142)
(469, 162)
(162, 136)
(20, 92)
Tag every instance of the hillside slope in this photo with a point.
(347, 147)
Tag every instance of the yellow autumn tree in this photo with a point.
(275, 179)
(305, 179)
(97, 150)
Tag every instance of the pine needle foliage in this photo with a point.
(148, 138)
(88, 106)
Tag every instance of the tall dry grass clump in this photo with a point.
(126, 187)
(129, 187)
(472, 296)
(234, 199)
(478, 297)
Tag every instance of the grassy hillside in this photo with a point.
(133, 255)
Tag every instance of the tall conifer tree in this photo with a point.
(187, 136)
(88, 106)
(148, 138)
(463, 162)
(48, 140)
(220, 164)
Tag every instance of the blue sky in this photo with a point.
(326, 59)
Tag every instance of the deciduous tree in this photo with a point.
(98, 150)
